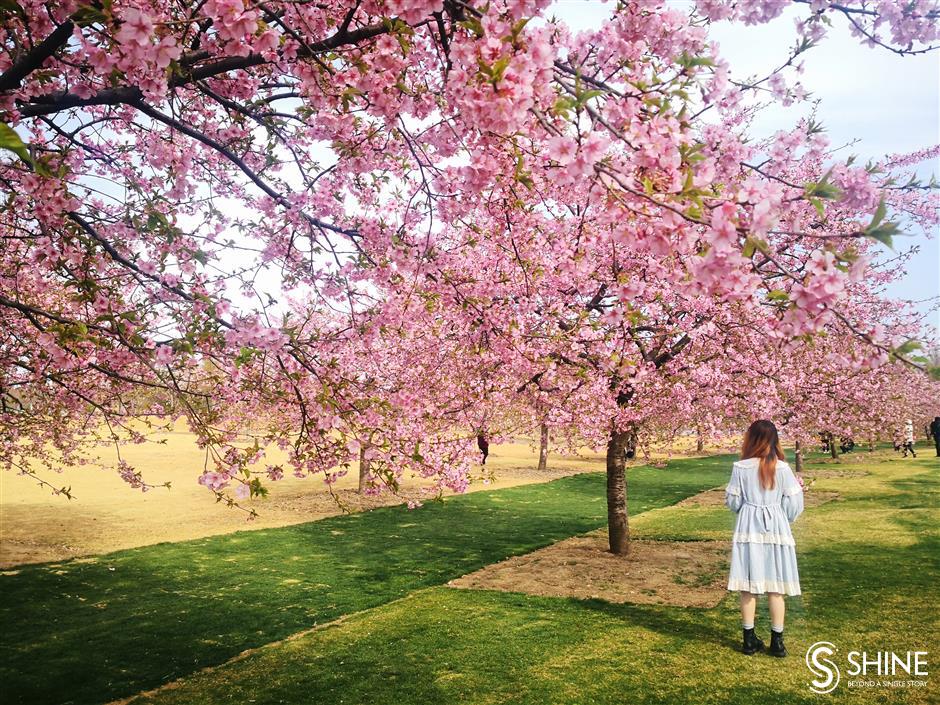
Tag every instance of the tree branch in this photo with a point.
(34, 59)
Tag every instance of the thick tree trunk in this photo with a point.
(543, 448)
(699, 442)
(617, 522)
(364, 466)
(833, 451)
(798, 456)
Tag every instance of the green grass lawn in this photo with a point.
(870, 565)
(90, 631)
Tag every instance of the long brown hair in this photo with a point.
(761, 441)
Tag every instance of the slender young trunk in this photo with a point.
(699, 442)
(364, 466)
(543, 448)
(798, 456)
(832, 447)
(618, 526)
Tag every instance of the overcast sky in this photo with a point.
(888, 103)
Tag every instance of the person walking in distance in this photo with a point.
(483, 443)
(935, 432)
(909, 438)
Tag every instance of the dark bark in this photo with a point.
(798, 456)
(620, 442)
(618, 525)
(833, 451)
(543, 448)
(33, 59)
(63, 100)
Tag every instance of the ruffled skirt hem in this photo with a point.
(778, 539)
(764, 586)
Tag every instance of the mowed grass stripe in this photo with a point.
(91, 632)
(870, 567)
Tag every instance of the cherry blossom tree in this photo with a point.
(360, 230)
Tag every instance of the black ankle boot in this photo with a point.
(752, 643)
(776, 644)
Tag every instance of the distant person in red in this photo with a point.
(484, 445)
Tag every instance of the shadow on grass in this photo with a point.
(457, 646)
(129, 621)
(443, 645)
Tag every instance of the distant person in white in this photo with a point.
(909, 438)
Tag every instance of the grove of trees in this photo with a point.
(373, 229)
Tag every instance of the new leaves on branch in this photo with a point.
(880, 230)
(320, 229)
(12, 142)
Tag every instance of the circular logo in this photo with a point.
(826, 672)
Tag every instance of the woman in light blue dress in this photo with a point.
(767, 497)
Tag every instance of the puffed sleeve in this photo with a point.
(734, 497)
(792, 496)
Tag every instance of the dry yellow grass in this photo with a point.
(107, 515)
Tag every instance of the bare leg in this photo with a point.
(777, 609)
(748, 608)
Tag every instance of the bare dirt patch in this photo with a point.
(678, 573)
(827, 474)
(716, 498)
(813, 498)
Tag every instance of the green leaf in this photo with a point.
(749, 248)
(562, 105)
(823, 189)
(156, 221)
(908, 347)
(244, 356)
(755, 244)
(86, 15)
(881, 230)
(498, 69)
(694, 211)
(585, 96)
(473, 25)
(814, 128)
(517, 28)
(880, 213)
(688, 61)
(257, 489)
(818, 205)
(11, 141)
(884, 233)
